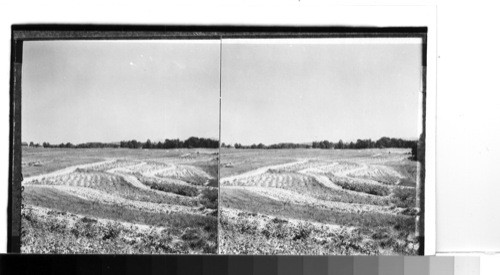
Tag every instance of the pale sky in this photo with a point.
(278, 90)
(299, 91)
(107, 91)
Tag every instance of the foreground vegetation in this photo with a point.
(252, 233)
(52, 231)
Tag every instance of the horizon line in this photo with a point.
(118, 142)
(343, 140)
(230, 143)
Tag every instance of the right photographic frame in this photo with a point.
(323, 144)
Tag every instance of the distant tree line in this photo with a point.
(325, 144)
(383, 142)
(192, 142)
(31, 144)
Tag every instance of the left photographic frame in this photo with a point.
(115, 145)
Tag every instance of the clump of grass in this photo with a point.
(111, 231)
(303, 232)
(277, 230)
(194, 239)
(209, 198)
(404, 197)
(190, 234)
(353, 242)
(380, 233)
(404, 224)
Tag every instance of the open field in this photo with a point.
(312, 201)
(119, 201)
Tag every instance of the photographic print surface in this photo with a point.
(320, 141)
(120, 146)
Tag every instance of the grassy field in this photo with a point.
(308, 201)
(238, 161)
(119, 201)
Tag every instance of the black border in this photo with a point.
(35, 32)
(131, 32)
(15, 176)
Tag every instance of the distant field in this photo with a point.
(119, 201)
(237, 161)
(308, 201)
(37, 161)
